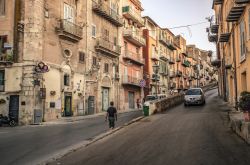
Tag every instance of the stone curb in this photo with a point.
(87, 142)
(82, 118)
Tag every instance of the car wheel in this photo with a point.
(185, 104)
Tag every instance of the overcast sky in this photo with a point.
(172, 13)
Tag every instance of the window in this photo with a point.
(1, 80)
(68, 13)
(93, 31)
(3, 39)
(242, 41)
(115, 41)
(106, 35)
(66, 80)
(106, 68)
(2, 7)
(94, 61)
(81, 56)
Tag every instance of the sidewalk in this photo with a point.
(239, 126)
(64, 120)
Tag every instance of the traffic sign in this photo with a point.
(142, 83)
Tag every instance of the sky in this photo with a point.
(174, 13)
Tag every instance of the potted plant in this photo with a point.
(244, 104)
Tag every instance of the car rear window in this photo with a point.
(193, 92)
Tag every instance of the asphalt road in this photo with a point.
(195, 135)
(33, 144)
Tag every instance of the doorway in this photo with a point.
(105, 99)
(131, 100)
(14, 107)
(68, 104)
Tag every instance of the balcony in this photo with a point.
(172, 74)
(164, 58)
(100, 8)
(186, 63)
(218, 2)
(242, 1)
(171, 60)
(6, 60)
(212, 37)
(134, 38)
(184, 53)
(155, 57)
(134, 57)
(107, 47)
(163, 40)
(214, 28)
(171, 46)
(235, 10)
(70, 31)
(216, 63)
(179, 73)
(178, 59)
(130, 81)
(129, 13)
(224, 37)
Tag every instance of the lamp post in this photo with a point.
(155, 76)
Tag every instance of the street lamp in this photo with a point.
(155, 76)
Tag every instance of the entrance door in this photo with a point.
(131, 100)
(91, 105)
(14, 107)
(105, 99)
(68, 105)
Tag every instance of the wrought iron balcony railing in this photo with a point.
(132, 14)
(69, 30)
(104, 10)
(107, 47)
(134, 37)
(131, 81)
(134, 57)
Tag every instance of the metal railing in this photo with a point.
(126, 79)
(135, 35)
(107, 10)
(103, 43)
(136, 15)
(134, 56)
(71, 28)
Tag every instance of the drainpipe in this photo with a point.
(235, 71)
(16, 13)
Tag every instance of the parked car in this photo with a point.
(194, 96)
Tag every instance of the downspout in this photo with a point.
(16, 13)
(235, 70)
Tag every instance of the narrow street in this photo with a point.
(195, 135)
(33, 144)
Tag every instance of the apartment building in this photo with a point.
(132, 61)
(182, 63)
(172, 56)
(151, 56)
(65, 58)
(229, 30)
(163, 60)
(105, 23)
